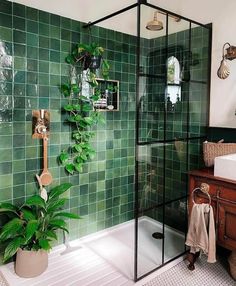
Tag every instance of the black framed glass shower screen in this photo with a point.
(172, 117)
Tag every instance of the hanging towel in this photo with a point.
(201, 231)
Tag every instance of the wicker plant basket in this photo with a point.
(212, 150)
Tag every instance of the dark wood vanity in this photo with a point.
(223, 201)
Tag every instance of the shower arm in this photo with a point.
(177, 19)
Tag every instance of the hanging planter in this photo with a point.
(92, 62)
(82, 92)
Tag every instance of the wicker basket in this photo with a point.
(212, 150)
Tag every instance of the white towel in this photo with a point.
(201, 231)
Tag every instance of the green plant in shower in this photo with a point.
(82, 91)
(34, 225)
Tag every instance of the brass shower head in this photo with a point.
(157, 25)
(154, 25)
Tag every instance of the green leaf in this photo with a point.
(12, 248)
(88, 120)
(77, 107)
(78, 167)
(84, 157)
(68, 107)
(87, 107)
(70, 59)
(71, 119)
(58, 223)
(31, 227)
(11, 229)
(92, 154)
(68, 215)
(59, 190)
(75, 88)
(78, 118)
(27, 214)
(78, 148)
(105, 64)
(44, 244)
(54, 205)
(64, 156)
(79, 160)
(70, 168)
(7, 207)
(51, 234)
(65, 89)
(35, 201)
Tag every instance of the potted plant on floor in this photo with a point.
(31, 228)
(82, 92)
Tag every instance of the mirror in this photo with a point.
(173, 91)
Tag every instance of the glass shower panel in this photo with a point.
(175, 228)
(200, 53)
(150, 241)
(195, 161)
(175, 170)
(176, 98)
(198, 109)
(150, 177)
(151, 79)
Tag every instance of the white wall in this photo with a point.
(220, 13)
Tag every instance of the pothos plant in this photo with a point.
(84, 61)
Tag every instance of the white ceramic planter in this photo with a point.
(31, 263)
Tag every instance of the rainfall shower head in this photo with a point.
(154, 25)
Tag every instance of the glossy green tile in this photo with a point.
(32, 40)
(32, 26)
(32, 13)
(5, 34)
(44, 29)
(19, 23)
(18, 166)
(19, 37)
(5, 20)
(55, 32)
(19, 10)
(32, 52)
(5, 181)
(6, 7)
(6, 194)
(19, 63)
(44, 17)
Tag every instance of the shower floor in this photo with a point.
(117, 246)
(105, 258)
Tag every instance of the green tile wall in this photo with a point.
(33, 46)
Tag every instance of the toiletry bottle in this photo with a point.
(169, 104)
(178, 104)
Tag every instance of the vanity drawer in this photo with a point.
(227, 194)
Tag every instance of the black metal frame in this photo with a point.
(137, 211)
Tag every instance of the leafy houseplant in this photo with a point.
(81, 108)
(33, 226)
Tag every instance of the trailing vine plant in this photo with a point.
(82, 91)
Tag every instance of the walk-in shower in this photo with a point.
(172, 99)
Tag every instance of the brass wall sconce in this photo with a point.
(223, 71)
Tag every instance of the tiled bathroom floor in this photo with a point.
(85, 268)
(205, 274)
